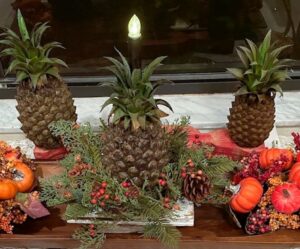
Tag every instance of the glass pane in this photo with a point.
(197, 35)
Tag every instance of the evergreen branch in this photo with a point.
(167, 235)
(219, 169)
(88, 241)
(75, 211)
(79, 140)
(152, 210)
(52, 190)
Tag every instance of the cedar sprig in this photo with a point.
(87, 241)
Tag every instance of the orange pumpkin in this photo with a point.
(268, 156)
(294, 175)
(23, 177)
(8, 189)
(246, 195)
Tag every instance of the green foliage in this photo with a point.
(217, 168)
(53, 189)
(84, 174)
(79, 140)
(167, 235)
(132, 100)
(87, 241)
(31, 60)
(177, 137)
(263, 71)
(75, 210)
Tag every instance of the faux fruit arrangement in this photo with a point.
(267, 195)
(252, 114)
(17, 181)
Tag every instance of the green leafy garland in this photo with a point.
(86, 187)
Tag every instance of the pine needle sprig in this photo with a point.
(219, 169)
(88, 241)
(79, 140)
(53, 188)
(75, 211)
(167, 235)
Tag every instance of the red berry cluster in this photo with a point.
(251, 168)
(296, 137)
(162, 180)
(190, 169)
(99, 195)
(168, 203)
(258, 222)
(92, 230)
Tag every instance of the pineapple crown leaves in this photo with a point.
(132, 100)
(30, 59)
(263, 71)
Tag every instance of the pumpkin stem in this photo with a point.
(234, 189)
(286, 193)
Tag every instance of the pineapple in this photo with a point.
(135, 145)
(42, 97)
(252, 114)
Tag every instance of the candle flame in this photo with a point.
(134, 27)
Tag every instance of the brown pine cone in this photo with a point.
(196, 187)
(133, 192)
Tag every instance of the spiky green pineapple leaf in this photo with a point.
(243, 58)
(133, 98)
(30, 59)
(148, 71)
(22, 26)
(277, 88)
(242, 90)
(262, 67)
(253, 48)
(236, 72)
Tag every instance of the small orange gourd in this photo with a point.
(8, 189)
(24, 177)
(246, 195)
(268, 156)
(294, 175)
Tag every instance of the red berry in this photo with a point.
(162, 182)
(102, 204)
(167, 200)
(176, 207)
(127, 193)
(189, 161)
(193, 175)
(106, 197)
(191, 165)
(92, 226)
(167, 205)
(102, 191)
(124, 184)
(92, 234)
(103, 184)
(199, 172)
(93, 194)
(183, 175)
(93, 201)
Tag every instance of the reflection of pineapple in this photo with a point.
(41, 95)
(253, 111)
(134, 144)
